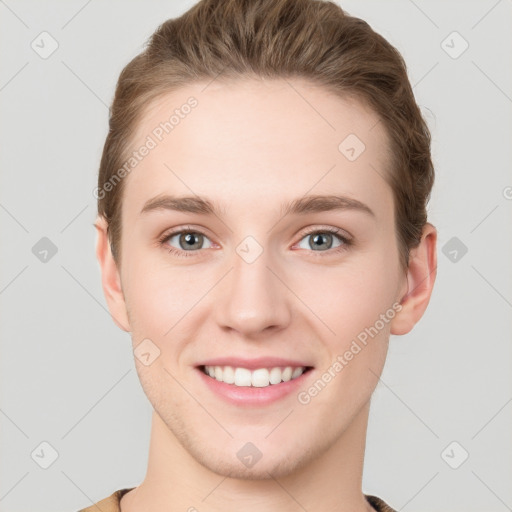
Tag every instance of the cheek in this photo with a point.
(352, 296)
(155, 297)
(166, 301)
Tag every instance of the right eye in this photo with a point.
(188, 241)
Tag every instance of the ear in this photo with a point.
(110, 277)
(421, 275)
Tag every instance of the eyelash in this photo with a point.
(186, 254)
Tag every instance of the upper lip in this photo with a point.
(253, 364)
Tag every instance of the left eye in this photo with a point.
(323, 240)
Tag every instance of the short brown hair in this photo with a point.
(312, 39)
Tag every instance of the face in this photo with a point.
(261, 282)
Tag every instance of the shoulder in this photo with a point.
(378, 504)
(109, 504)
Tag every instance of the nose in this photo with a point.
(253, 297)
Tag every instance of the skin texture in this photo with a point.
(252, 145)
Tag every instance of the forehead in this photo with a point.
(254, 141)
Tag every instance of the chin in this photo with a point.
(264, 469)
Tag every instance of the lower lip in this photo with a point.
(250, 395)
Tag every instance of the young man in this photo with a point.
(261, 233)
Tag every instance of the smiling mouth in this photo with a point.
(259, 378)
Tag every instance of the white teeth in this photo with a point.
(242, 376)
(260, 378)
(228, 375)
(275, 376)
(287, 374)
(297, 373)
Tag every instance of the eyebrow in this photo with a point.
(300, 206)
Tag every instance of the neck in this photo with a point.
(175, 481)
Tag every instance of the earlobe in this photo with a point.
(110, 277)
(421, 275)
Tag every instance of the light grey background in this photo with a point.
(67, 372)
